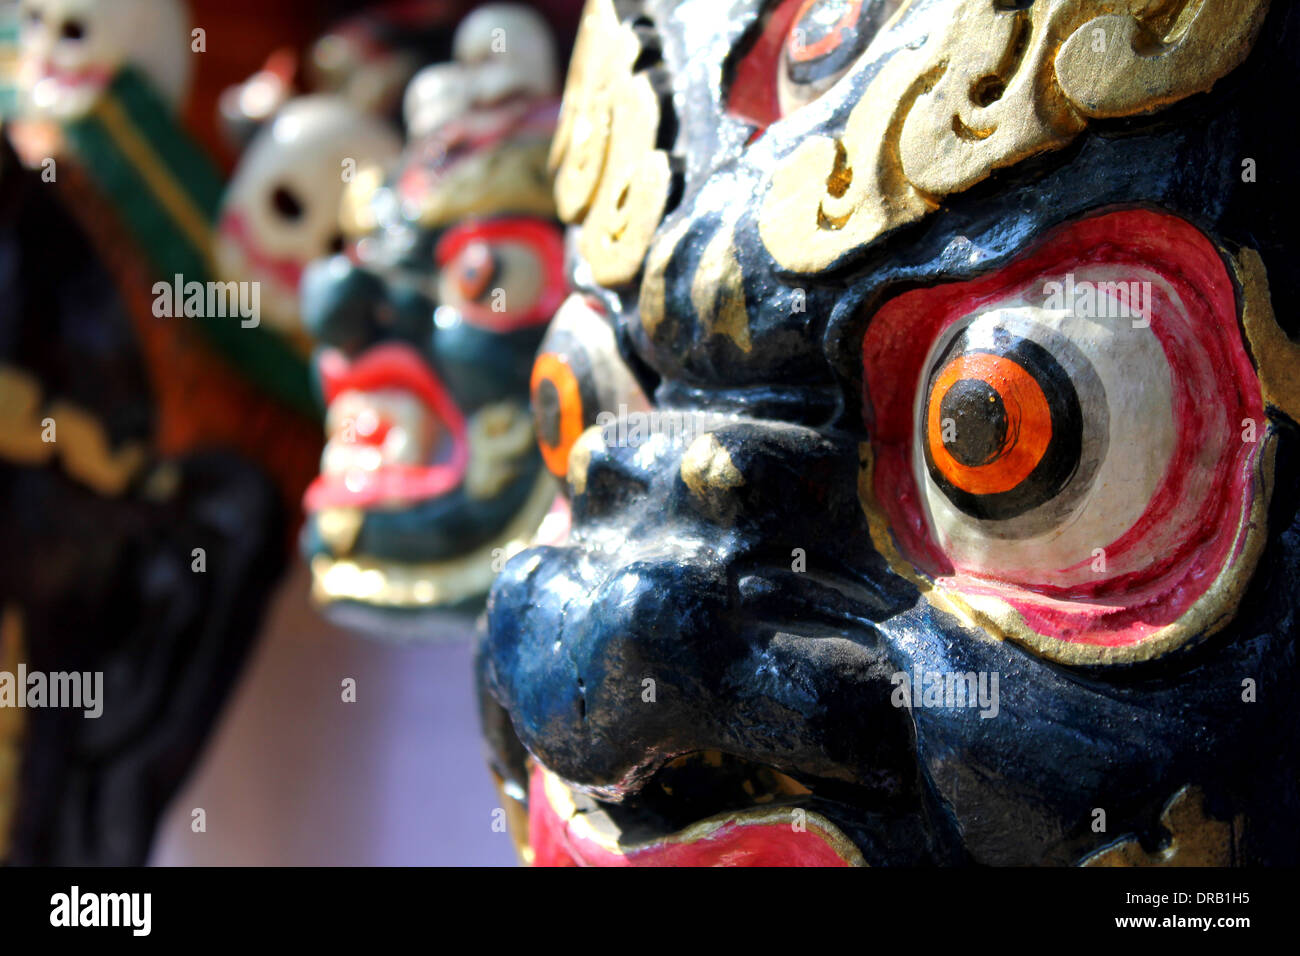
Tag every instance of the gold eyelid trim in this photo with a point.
(1276, 357)
(1212, 611)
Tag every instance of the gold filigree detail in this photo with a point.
(509, 177)
(339, 528)
(654, 289)
(500, 438)
(590, 442)
(972, 88)
(386, 584)
(610, 178)
(11, 725)
(1195, 838)
(708, 471)
(80, 440)
(718, 290)
(996, 104)
(1150, 60)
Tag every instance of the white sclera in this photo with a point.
(1136, 378)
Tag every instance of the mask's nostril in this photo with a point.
(73, 30)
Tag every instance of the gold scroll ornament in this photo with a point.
(1195, 838)
(609, 176)
(991, 87)
(76, 436)
(988, 88)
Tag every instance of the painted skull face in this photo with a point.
(427, 328)
(281, 210)
(72, 50)
(954, 518)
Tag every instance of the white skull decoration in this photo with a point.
(281, 210)
(500, 51)
(71, 50)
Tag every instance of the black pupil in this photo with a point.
(546, 408)
(336, 243)
(73, 30)
(974, 422)
(286, 203)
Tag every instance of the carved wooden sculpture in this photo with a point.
(953, 518)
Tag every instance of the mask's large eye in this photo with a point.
(824, 40)
(1070, 450)
(502, 274)
(578, 375)
(801, 49)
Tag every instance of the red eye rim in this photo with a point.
(753, 95)
(546, 241)
(1114, 618)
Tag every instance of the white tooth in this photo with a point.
(354, 414)
(335, 459)
(367, 421)
(399, 446)
(369, 458)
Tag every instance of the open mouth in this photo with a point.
(395, 436)
(703, 809)
(86, 77)
(237, 240)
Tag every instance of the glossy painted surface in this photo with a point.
(746, 613)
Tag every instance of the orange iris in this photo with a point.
(553, 368)
(1029, 424)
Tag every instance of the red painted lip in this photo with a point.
(88, 76)
(390, 366)
(285, 271)
(559, 836)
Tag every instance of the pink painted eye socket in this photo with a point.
(502, 274)
(1072, 448)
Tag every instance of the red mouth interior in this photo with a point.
(556, 841)
(286, 271)
(400, 367)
